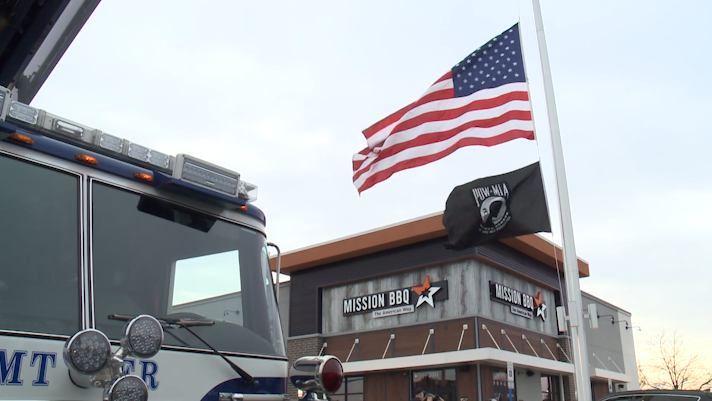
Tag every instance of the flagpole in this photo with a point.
(571, 272)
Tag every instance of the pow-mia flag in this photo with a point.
(496, 207)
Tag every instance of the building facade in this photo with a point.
(401, 311)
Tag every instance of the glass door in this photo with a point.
(500, 387)
(439, 382)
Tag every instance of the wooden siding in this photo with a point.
(467, 382)
(600, 389)
(515, 335)
(397, 383)
(387, 386)
(411, 340)
(372, 345)
(374, 386)
(341, 346)
(487, 383)
(447, 335)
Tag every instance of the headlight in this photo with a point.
(127, 388)
(143, 336)
(87, 352)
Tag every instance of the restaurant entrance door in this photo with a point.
(439, 382)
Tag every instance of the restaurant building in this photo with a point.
(401, 311)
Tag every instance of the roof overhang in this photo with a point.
(489, 355)
(603, 374)
(406, 233)
(34, 34)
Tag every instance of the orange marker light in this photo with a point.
(86, 159)
(243, 208)
(22, 138)
(143, 177)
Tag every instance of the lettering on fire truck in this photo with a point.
(12, 364)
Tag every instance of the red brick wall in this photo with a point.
(569, 383)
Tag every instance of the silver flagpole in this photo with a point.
(573, 290)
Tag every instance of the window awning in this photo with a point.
(491, 356)
(604, 374)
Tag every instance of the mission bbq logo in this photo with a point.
(493, 202)
(397, 302)
(521, 304)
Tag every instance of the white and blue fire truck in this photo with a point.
(128, 274)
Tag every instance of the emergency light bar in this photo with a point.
(181, 167)
(206, 175)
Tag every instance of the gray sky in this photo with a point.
(280, 91)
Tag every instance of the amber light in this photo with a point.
(243, 208)
(22, 138)
(86, 159)
(143, 177)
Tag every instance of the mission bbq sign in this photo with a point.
(397, 302)
(520, 303)
(381, 300)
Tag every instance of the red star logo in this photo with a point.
(538, 301)
(423, 288)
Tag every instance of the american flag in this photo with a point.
(483, 100)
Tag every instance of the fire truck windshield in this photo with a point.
(155, 257)
(39, 249)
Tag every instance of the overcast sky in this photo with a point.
(280, 91)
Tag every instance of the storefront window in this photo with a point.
(549, 388)
(439, 382)
(500, 389)
(351, 390)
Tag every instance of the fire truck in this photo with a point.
(127, 273)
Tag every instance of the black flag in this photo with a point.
(496, 207)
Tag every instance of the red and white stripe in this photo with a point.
(438, 124)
